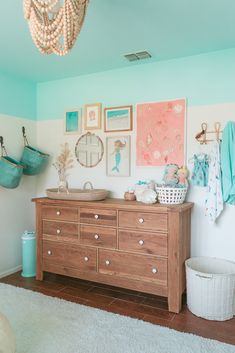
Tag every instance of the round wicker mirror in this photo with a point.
(89, 150)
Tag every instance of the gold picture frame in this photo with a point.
(118, 119)
(92, 116)
(73, 122)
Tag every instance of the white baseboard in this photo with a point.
(9, 272)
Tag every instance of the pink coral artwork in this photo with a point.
(160, 133)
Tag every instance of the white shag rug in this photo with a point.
(48, 325)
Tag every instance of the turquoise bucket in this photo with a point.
(34, 161)
(10, 172)
(28, 254)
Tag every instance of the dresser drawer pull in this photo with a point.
(107, 262)
(58, 213)
(154, 270)
(96, 236)
(141, 242)
(86, 258)
(141, 220)
(49, 252)
(96, 216)
(58, 231)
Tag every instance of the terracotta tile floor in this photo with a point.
(125, 302)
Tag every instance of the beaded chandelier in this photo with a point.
(55, 24)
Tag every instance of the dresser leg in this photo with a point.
(39, 276)
(175, 303)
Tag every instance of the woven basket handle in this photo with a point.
(204, 277)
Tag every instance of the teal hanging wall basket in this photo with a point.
(10, 170)
(34, 161)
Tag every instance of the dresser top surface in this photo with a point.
(116, 203)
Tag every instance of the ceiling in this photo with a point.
(166, 28)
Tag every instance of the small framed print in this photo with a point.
(73, 122)
(118, 156)
(92, 116)
(118, 118)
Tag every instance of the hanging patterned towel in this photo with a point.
(214, 198)
(228, 163)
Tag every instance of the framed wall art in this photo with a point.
(160, 136)
(118, 119)
(118, 156)
(92, 113)
(73, 122)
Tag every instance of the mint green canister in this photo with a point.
(28, 254)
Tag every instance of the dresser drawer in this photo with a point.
(148, 243)
(97, 216)
(143, 220)
(98, 236)
(60, 213)
(140, 267)
(79, 257)
(61, 230)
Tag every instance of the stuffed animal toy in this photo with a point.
(7, 339)
(182, 175)
(170, 175)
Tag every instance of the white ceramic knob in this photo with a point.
(154, 270)
(107, 262)
(58, 213)
(96, 236)
(58, 231)
(141, 220)
(86, 258)
(96, 216)
(141, 242)
(49, 252)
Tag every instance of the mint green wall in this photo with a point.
(17, 97)
(203, 79)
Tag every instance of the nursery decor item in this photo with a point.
(118, 118)
(89, 150)
(170, 177)
(71, 324)
(55, 25)
(210, 287)
(73, 122)
(171, 195)
(148, 196)
(10, 170)
(63, 163)
(129, 196)
(118, 156)
(202, 135)
(140, 187)
(34, 161)
(200, 170)
(92, 116)
(161, 133)
(182, 176)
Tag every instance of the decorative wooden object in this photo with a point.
(202, 136)
(122, 243)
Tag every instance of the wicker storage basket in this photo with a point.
(172, 196)
(211, 288)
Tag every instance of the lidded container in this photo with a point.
(28, 254)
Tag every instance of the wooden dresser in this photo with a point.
(122, 243)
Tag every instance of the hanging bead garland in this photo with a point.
(54, 27)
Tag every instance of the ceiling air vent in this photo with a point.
(137, 56)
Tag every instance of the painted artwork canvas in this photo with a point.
(161, 133)
(72, 122)
(118, 156)
(118, 118)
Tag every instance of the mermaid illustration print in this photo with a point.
(118, 146)
(118, 156)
